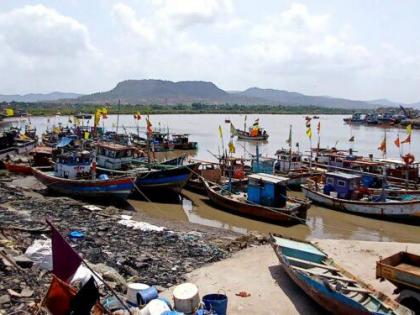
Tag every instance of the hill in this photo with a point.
(38, 97)
(298, 99)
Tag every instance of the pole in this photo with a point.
(118, 116)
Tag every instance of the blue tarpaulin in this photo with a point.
(65, 141)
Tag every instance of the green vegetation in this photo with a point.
(48, 108)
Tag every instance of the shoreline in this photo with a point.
(213, 258)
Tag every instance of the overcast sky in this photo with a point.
(357, 49)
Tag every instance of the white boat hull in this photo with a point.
(392, 209)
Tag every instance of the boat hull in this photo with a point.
(401, 210)
(119, 187)
(171, 178)
(18, 168)
(322, 292)
(255, 211)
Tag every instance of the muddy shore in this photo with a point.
(159, 253)
(163, 253)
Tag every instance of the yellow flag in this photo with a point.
(220, 132)
(10, 112)
(309, 132)
(98, 114)
(231, 147)
(409, 129)
(86, 135)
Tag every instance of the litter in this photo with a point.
(243, 294)
(136, 225)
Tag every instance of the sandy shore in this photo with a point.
(257, 271)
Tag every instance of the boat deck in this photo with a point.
(409, 268)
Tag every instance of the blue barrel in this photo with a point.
(146, 295)
(103, 177)
(172, 313)
(216, 302)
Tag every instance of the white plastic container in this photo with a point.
(133, 289)
(186, 298)
(155, 307)
(333, 194)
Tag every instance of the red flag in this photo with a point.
(65, 259)
(58, 297)
(407, 140)
(397, 142)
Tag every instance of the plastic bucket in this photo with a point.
(146, 295)
(216, 302)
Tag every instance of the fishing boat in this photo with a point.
(115, 158)
(254, 133)
(356, 118)
(344, 192)
(22, 164)
(181, 142)
(74, 174)
(266, 199)
(213, 172)
(334, 289)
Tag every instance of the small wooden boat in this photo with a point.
(334, 289)
(403, 270)
(254, 133)
(265, 200)
(247, 135)
(343, 192)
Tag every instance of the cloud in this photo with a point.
(38, 31)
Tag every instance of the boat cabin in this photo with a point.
(267, 190)
(114, 156)
(73, 165)
(341, 185)
(288, 161)
(232, 167)
(402, 169)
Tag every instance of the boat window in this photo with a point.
(341, 183)
(330, 181)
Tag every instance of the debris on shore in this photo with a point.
(121, 251)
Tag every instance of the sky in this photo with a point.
(359, 49)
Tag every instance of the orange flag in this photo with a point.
(407, 140)
(59, 296)
(382, 146)
(397, 141)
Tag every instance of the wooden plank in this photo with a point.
(310, 263)
(324, 275)
(359, 290)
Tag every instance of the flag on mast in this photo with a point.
(382, 146)
(397, 141)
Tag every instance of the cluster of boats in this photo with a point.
(76, 162)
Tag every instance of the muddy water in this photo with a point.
(322, 223)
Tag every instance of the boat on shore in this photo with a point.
(74, 174)
(119, 159)
(181, 142)
(334, 289)
(265, 200)
(344, 192)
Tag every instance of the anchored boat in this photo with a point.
(74, 174)
(342, 191)
(333, 288)
(265, 199)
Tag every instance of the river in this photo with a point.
(322, 223)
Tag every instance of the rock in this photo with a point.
(4, 299)
(23, 261)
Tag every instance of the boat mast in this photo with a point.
(118, 116)
(290, 147)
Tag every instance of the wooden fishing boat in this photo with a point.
(246, 135)
(181, 142)
(334, 289)
(212, 172)
(74, 174)
(254, 133)
(343, 192)
(118, 159)
(265, 200)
